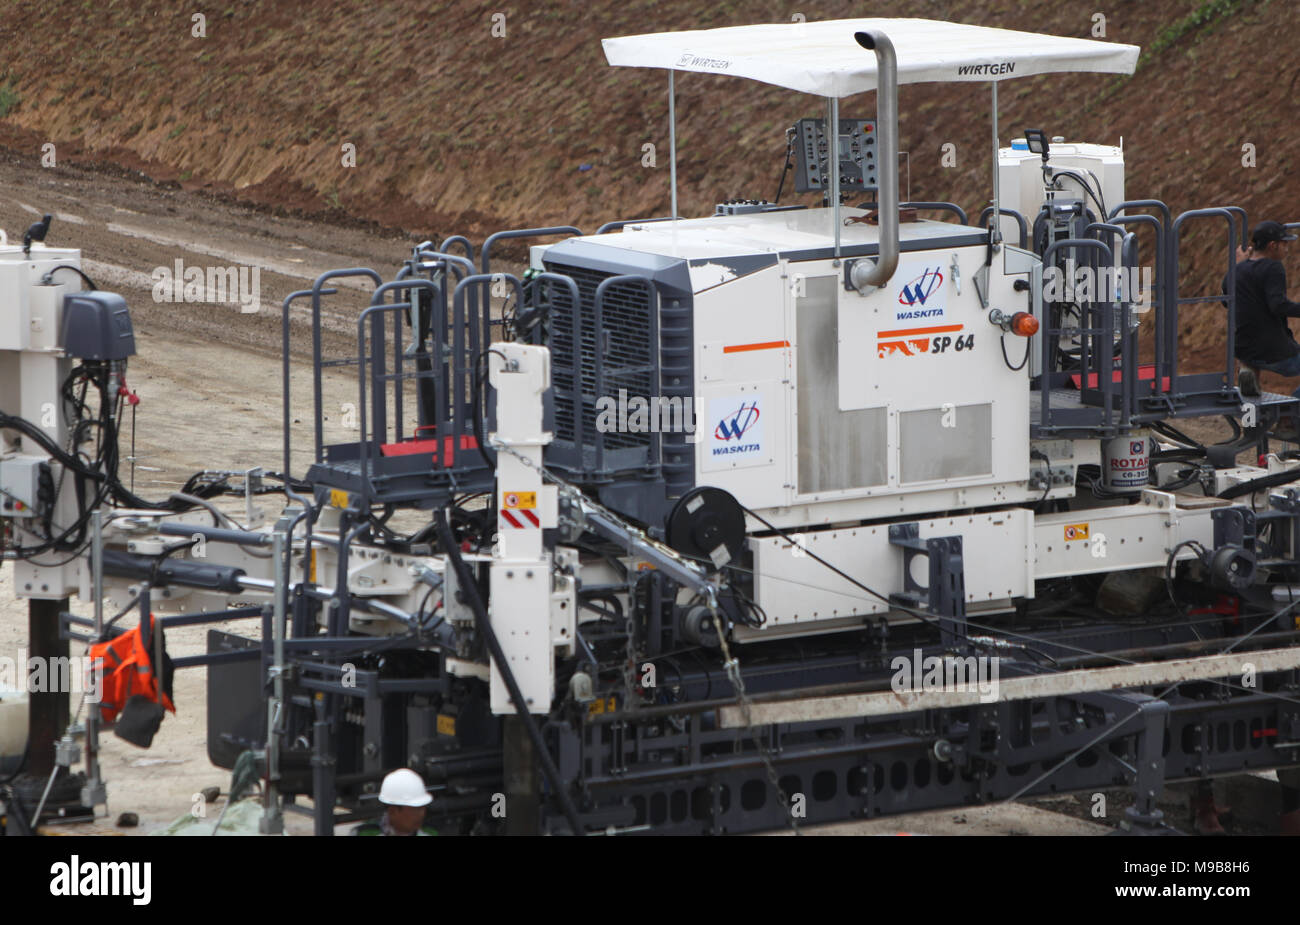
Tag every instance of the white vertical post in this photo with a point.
(997, 214)
(833, 151)
(520, 602)
(672, 138)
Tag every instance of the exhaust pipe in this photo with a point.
(866, 274)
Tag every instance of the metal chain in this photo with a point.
(732, 667)
(633, 701)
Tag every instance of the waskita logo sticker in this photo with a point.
(734, 427)
(737, 433)
(921, 297)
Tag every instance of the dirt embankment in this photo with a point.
(477, 117)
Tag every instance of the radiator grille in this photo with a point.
(624, 344)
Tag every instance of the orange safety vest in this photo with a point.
(127, 670)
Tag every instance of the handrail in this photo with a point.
(521, 233)
(1144, 204)
(316, 293)
(1230, 297)
(1003, 212)
(375, 313)
(1104, 383)
(284, 364)
(454, 259)
(480, 339)
(1245, 232)
(461, 240)
(1128, 260)
(1160, 298)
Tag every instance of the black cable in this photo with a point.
(608, 615)
(1169, 563)
(1176, 436)
(789, 155)
(1082, 181)
(1006, 359)
(468, 587)
(759, 614)
(609, 597)
(489, 456)
(1184, 478)
(67, 266)
(1047, 480)
(923, 617)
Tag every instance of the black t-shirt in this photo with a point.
(1263, 335)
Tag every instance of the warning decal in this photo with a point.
(520, 499)
(1076, 532)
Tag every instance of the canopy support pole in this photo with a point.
(997, 215)
(672, 138)
(833, 164)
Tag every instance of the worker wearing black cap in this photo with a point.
(1263, 339)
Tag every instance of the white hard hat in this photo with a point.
(404, 787)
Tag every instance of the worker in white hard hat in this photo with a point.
(403, 793)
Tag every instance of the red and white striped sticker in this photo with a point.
(520, 518)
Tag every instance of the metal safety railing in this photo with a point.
(1216, 386)
(1140, 394)
(1101, 406)
(446, 374)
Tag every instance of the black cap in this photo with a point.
(1266, 233)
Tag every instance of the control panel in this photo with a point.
(855, 149)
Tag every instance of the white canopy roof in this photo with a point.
(825, 59)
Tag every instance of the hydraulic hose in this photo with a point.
(466, 583)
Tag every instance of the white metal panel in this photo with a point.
(741, 441)
(520, 610)
(923, 342)
(1115, 539)
(794, 588)
(740, 329)
(824, 57)
(15, 323)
